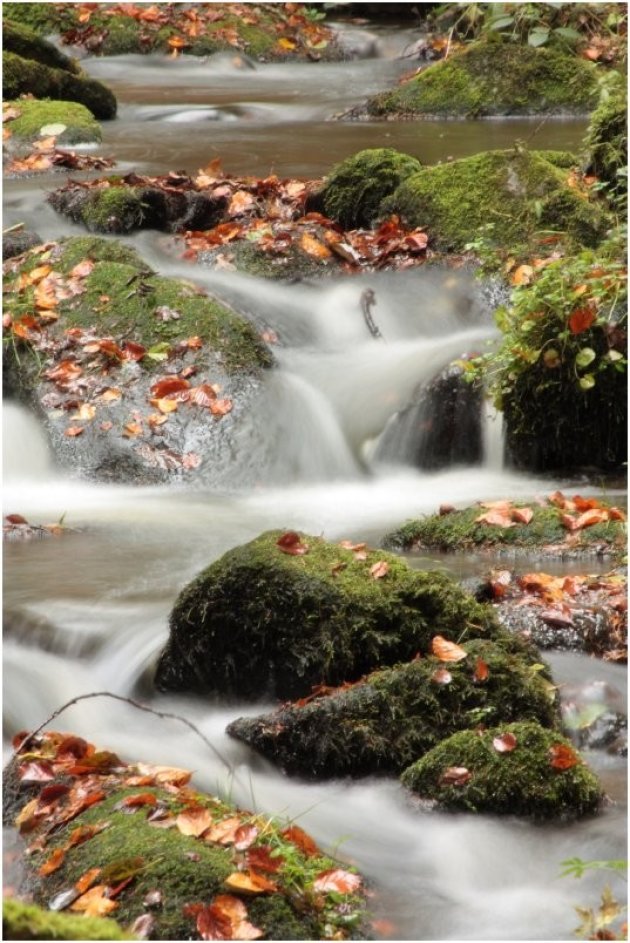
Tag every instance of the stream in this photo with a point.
(89, 612)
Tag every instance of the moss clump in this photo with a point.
(39, 17)
(355, 188)
(113, 209)
(490, 78)
(259, 622)
(509, 194)
(80, 125)
(458, 531)
(29, 922)
(606, 143)
(521, 782)
(26, 43)
(27, 77)
(387, 721)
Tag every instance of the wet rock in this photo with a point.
(261, 622)
(512, 769)
(15, 243)
(135, 339)
(25, 42)
(441, 427)
(386, 721)
(74, 123)
(493, 78)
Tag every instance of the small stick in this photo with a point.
(15, 228)
(368, 298)
(164, 715)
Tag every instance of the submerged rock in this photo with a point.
(272, 621)
(513, 769)
(383, 723)
(506, 195)
(493, 78)
(441, 427)
(139, 378)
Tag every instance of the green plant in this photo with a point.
(605, 921)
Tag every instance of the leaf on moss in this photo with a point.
(447, 651)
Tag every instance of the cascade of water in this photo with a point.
(25, 453)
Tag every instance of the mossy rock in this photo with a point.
(355, 188)
(186, 869)
(80, 126)
(493, 78)
(509, 195)
(260, 622)
(520, 781)
(393, 717)
(458, 532)
(41, 18)
(26, 43)
(22, 921)
(28, 77)
(606, 142)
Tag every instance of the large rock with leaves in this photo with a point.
(287, 611)
(391, 718)
(138, 378)
(512, 769)
(504, 196)
(495, 78)
(184, 864)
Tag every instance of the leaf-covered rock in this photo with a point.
(263, 621)
(540, 776)
(391, 718)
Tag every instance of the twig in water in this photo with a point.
(164, 715)
(368, 298)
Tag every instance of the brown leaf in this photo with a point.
(522, 275)
(290, 542)
(15, 519)
(86, 880)
(53, 863)
(581, 319)
(260, 858)
(499, 581)
(379, 569)
(455, 776)
(131, 430)
(194, 821)
(93, 903)
(224, 832)
(82, 269)
(221, 407)
(301, 840)
(559, 616)
(522, 515)
(338, 881)
(244, 836)
(250, 882)
(169, 385)
(447, 651)
(73, 431)
(504, 743)
(133, 351)
(497, 518)
(86, 412)
(441, 676)
(139, 799)
(562, 756)
(445, 509)
(589, 518)
(241, 202)
(481, 672)
(314, 247)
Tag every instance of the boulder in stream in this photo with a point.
(288, 611)
(388, 720)
(137, 843)
(68, 122)
(513, 769)
(139, 378)
(494, 78)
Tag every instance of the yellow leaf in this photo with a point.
(314, 247)
(93, 903)
(447, 651)
(522, 275)
(287, 43)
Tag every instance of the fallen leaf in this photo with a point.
(338, 881)
(244, 836)
(241, 202)
(86, 412)
(221, 407)
(165, 406)
(314, 247)
(131, 430)
(504, 743)
(562, 756)
(194, 821)
(447, 651)
(589, 518)
(497, 518)
(557, 617)
(263, 858)
(379, 569)
(73, 431)
(169, 385)
(153, 899)
(53, 863)
(481, 672)
(139, 799)
(224, 832)
(93, 903)
(441, 676)
(250, 882)
(522, 515)
(581, 319)
(86, 880)
(455, 776)
(522, 275)
(290, 542)
(499, 581)
(301, 840)
(37, 771)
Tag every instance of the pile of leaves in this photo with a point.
(16, 527)
(43, 154)
(291, 29)
(67, 776)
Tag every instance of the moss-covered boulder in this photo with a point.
(22, 76)
(28, 44)
(391, 718)
(278, 615)
(354, 189)
(178, 859)
(137, 377)
(493, 78)
(506, 195)
(72, 123)
(513, 769)
(22, 921)
(513, 527)
(606, 142)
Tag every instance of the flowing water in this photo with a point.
(89, 612)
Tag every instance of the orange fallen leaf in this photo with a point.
(504, 743)
(581, 319)
(338, 881)
(86, 880)
(379, 569)
(85, 412)
(194, 821)
(496, 518)
(522, 515)
(562, 756)
(314, 247)
(522, 275)
(93, 903)
(53, 863)
(589, 518)
(481, 672)
(74, 431)
(224, 832)
(301, 840)
(250, 882)
(241, 202)
(164, 405)
(447, 651)
(455, 776)
(131, 430)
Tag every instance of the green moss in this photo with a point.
(606, 142)
(354, 189)
(458, 531)
(113, 209)
(29, 922)
(80, 125)
(395, 716)
(79, 248)
(510, 194)
(260, 622)
(518, 782)
(495, 79)
(40, 17)
(26, 43)
(27, 77)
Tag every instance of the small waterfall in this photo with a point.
(25, 453)
(493, 438)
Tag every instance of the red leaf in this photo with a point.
(16, 519)
(214, 924)
(455, 776)
(291, 542)
(505, 743)
(482, 672)
(75, 746)
(581, 319)
(499, 582)
(202, 395)
(260, 858)
(133, 351)
(221, 407)
(140, 798)
(563, 756)
(301, 840)
(337, 880)
(169, 385)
